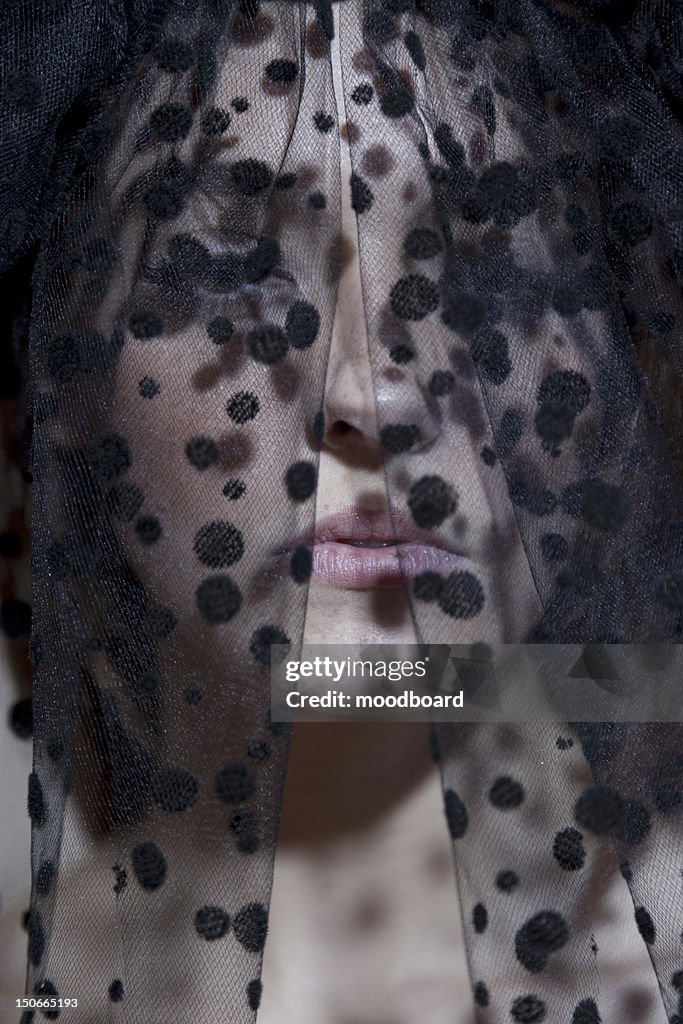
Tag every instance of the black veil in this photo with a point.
(172, 188)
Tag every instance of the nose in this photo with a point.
(349, 407)
(366, 414)
(369, 415)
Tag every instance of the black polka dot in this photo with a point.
(362, 94)
(401, 354)
(600, 809)
(554, 547)
(171, 122)
(262, 260)
(116, 990)
(568, 849)
(301, 564)
(431, 500)
(506, 793)
(234, 783)
(414, 297)
(282, 70)
(258, 750)
(211, 922)
(261, 642)
(490, 353)
(148, 387)
(461, 596)
(378, 25)
(251, 926)
(317, 200)
(422, 243)
(149, 865)
(302, 324)
(450, 149)
(145, 324)
(586, 1012)
(244, 827)
(240, 104)
(488, 456)
(361, 194)
(635, 823)
(234, 489)
(215, 121)
(46, 989)
(543, 934)
(323, 122)
(567, 300)
(528, 1009)
(54, 747)
(286, 181)
(396, 99)
(464, 313)
(36, 936)
(415, 49)
(254, 992)
(398, 437)
(220, 330)
(507, 881)
(45, 877)
(109, 456)
(645, 925)
(243, 406)
(301, 480)
(267, 344)
(218, 545)
(194, 695)
(161, 621)
(36, 800)
(201, 452)
(165, 199)
(567, 388)
(480, 918)
(251, 177)
(457, 817)
(218, 599)
(441, 382)
(174, 789)
(481, 994)
(189, 256)
(148, 529)
(428, 585)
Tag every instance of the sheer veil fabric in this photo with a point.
(174, 180)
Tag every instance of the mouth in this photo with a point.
(359, 549)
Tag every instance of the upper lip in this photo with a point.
(355, 523)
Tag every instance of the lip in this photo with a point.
(408, 550)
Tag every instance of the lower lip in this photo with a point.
(361, 568)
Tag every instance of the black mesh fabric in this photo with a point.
(173, 182)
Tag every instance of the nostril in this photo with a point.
(341, 428)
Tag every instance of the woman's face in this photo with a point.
(210, 423)
(360, 584)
